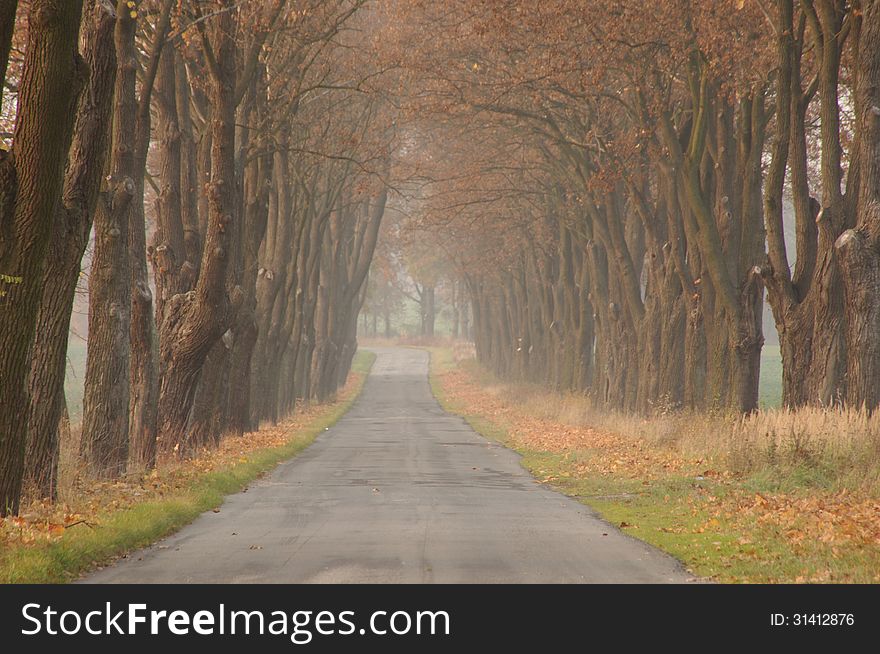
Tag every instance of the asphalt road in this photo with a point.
(398, 491)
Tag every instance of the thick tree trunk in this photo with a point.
(826, 380)
(189, 193)
(106, 401)
(257, 173)
(70, 235)
(168, 252)
(859, 248)
(194, 321)
(240, 375)
(143, 378)
(30, 184)
(747, 348)
(46, 376)
(206, 422)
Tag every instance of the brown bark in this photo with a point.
(205, 425)
(143, 379)
(30, 185)
(351, 241)
(729, 235)
(194, 321)
(168, 253)
(807, 305)
(188, 171)
(858, 249)
(275, 275)
(104, 446)
(70, 234)
(305, 309)
(826, 383)
(245, 328)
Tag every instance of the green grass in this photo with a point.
(125, 530)
(672, 513)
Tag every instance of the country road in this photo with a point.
(398, 491)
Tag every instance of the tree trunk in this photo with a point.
(194, 321)
(143, 379)
(70, 235)
(430, 312)
(858, 249)
(30, 184)
(106, 401)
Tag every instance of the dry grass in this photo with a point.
(463, 351)
(84, 502)
(76, 485)
(778, 496)
(833, 448)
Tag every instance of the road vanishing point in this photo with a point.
(398, 491)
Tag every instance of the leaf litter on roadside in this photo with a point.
(84, 501)
(845, 521)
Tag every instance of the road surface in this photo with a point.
(398, 491)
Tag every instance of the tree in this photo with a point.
(70, 235)
(105, 406)
(857, 248)
(30, 183)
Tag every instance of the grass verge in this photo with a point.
(752, 525)
(115, 532)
